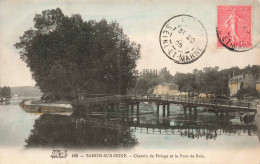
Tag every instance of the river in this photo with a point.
(123, 130)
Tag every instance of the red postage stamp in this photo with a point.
(234, 27)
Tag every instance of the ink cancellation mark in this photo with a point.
(234, 30)
(183, 39)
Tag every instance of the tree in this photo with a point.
(210, 80)
(185, 82)
(5, 91)
(67, 54)
(248, 93)
(149, 79)
(142, 85)
(195, 71)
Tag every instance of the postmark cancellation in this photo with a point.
(183, 39)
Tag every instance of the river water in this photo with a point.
(126, 130)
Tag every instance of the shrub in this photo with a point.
(246, 93)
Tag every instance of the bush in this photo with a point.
(247, 93)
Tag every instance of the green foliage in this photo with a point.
(210, 80)
(247, 93)
(67, 54)
(150, 78)
(5, 92)
(185, 82)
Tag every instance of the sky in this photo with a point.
(141, 21)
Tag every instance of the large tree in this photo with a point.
(5, 91)
(67, 54)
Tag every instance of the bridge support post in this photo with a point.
(195, 111)
(158, 106)
(168, 109)
(163, 109)
(185, 112)
(127, 109)
(132, 107)
(189, 110)
(137, 108)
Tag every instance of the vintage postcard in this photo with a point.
(129, 81)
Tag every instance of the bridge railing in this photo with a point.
(175, 98)
(197, 100)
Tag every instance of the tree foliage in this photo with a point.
(5, 91)
(150, 78)
(247, 93)
(211, 80)
(67, 54)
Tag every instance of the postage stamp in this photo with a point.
(183, 39)
(234, 27)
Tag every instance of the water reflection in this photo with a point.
(203, 127)
(4, 102)
(52, 130)
(115, 129)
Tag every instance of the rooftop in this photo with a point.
(237, 78)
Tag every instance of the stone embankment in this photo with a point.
(37, 106)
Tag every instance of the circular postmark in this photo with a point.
(183, 39)
(227, 41)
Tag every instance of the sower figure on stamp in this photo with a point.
(232, 24)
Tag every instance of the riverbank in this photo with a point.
(39, 106)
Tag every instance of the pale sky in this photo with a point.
(141, 21)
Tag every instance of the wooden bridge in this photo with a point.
(216, 105)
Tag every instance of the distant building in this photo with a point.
(166, 89)
(241, 82)
(258, 85)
